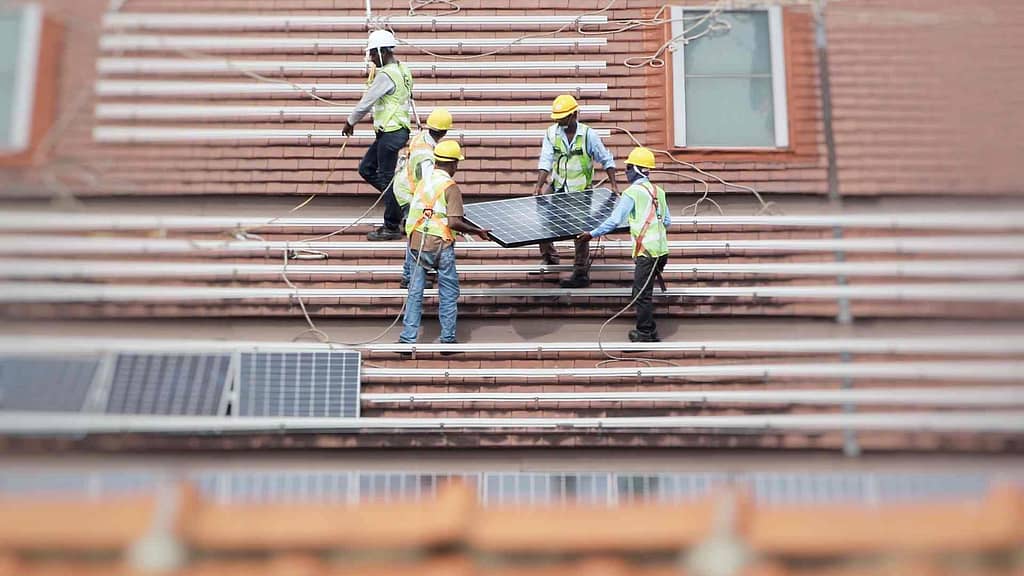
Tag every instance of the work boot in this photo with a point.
(637, 336)
(576, 281)
(384, 234)
(449, 352)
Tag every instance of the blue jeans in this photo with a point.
(448, 285)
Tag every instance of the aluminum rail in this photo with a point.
(289, 22)
(33, 245)
(1004, 396)
(57, 292)
(158, 88)
(46, 424)
(72, 269)
(1009, 371)
(996, 344)
(53, 220)
(164, 134)
(229, 113)
(207, 44)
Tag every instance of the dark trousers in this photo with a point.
(581, 260)
(643, 282)
(378, 169)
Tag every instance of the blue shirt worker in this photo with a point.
(567, 157)
(644, 207)
(434, 213)
(388, 94)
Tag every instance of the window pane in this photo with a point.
(10, 39)
(729, 112)
(744, 49)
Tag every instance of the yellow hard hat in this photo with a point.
(563, 106)
(440, 119)
(642, 157)
(448, 151)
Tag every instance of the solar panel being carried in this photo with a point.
(299, 384)
(534, 219)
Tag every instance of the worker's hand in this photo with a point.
(484, 234)
(613, 186)
(584, 237)
(348, 130)
(538, 190)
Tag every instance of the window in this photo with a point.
(729, 80)
(20, 33)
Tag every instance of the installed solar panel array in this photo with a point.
(45, 384)
(168, 384)
(299, 384)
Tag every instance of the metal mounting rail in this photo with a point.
(940, 371)
(66, 221)
(288, 22)
(974, 344)
(148, 43)
(55, 244)
(68, 269)
(1004, 396)
(932, 292)
(106, 111)
(44, 424)
(162, 134)
(161, 88)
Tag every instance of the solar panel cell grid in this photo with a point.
(45, 384)
(168, 384)
(299, 384)
(534, 219)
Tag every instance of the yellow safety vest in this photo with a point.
(408, 174)
(647, 219)
(428, 212)
(391, 111)
(573, 169)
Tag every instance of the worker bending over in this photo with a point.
(419, 163)
(646, 209)
(434, 213)
(389, 92)
(567, 155)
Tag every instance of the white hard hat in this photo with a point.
(381, 39)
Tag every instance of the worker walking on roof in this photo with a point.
(567, 156)
(389, 92)
(644, 205)
(417, 166)
(434, 213)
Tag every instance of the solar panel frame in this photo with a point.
(66, 381)
(290, 383)
(172, 383)
(547, 218)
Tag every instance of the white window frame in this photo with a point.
(778, 56)
(23, 106)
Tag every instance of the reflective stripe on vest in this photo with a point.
(573, 169)
(428, 212)
(646, 220)
(407, 175)
(391, 111)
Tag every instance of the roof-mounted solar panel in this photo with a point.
(299, 384)
(168, 384)
(45, 384)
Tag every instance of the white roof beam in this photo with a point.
(288, 22)
(128, 134)
(106, 111)
(141, 43)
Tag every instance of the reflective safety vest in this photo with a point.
(391, 111)
(408, 173)
(428, 212)
(573, 169)
(647, 219)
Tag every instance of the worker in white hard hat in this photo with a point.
(568, 153)
(389, 93)
(416, 165)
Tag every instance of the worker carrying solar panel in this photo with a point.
(434, 213)
(416, 165)
(644, 206)
(567, 158)
(388, 93)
